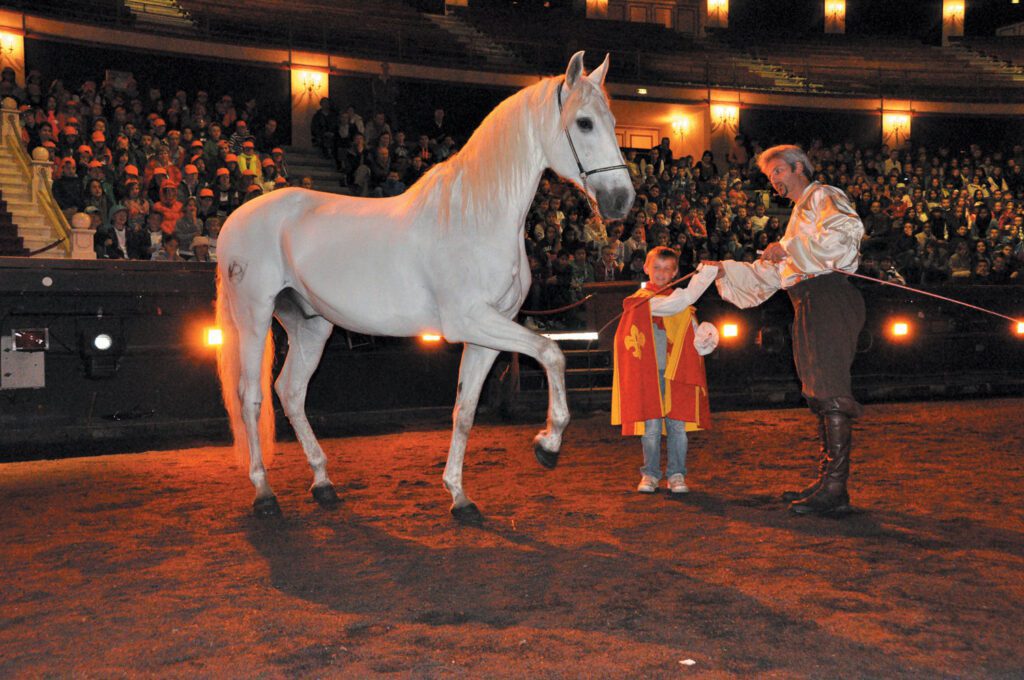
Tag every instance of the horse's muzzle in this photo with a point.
(615, 203)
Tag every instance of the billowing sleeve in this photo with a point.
(748, 284)
(829, 236)
(681, 298)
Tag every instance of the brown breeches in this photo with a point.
(828, 314)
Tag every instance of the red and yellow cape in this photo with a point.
(636, 394)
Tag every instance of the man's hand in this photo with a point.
(774, 253)
(717, 264)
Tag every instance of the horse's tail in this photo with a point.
(230, 370)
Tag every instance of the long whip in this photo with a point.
(924, 292)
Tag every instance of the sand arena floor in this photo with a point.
(151, 564)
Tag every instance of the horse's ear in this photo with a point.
(597, 75)
(575, 70)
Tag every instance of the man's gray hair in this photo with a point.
(789, 153)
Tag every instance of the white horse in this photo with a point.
(446, 256)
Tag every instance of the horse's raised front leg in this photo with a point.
(476, 364)
(487, 327)
(306, 340)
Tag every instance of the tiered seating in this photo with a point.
(1009, 50)
(875, 66)
(640, 52)
(85, 11)
(370, 28)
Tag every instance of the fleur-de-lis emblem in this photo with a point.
(635, 341)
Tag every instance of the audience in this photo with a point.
(159, 175)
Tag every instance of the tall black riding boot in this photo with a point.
(790, 496)
(831, 497)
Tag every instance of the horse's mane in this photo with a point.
(500, 155)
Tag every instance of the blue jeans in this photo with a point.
(677, 445)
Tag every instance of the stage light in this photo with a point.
(641, 90)
(730, 330)
(1020, 328)
(900, 330)
(214, 337)
(101, 344)
(430, 337)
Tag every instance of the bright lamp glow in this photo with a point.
(900, 329)
(430, 337)
(730, 330)
(214, 337)
(1020, 328)
(102, 342)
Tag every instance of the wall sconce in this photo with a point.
(311, 81)
(895, 128)
(724, 115)
(718, 14)
(835, 16)
(7, 42)
(681, 127)
(597, 9)
(953, 11)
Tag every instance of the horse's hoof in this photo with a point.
(325, 495)
(468, 514)
(548, 459)
(266, 507)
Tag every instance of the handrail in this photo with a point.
(44, 198)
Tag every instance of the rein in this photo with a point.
(584, 174)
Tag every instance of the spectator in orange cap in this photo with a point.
(190, 184)
(98, 172)
(169, 207)
(280, 165)
(159, 128)
(207, 207)
(248, 181)
(269, 174)
(152, 187)
(225, 195)
(280, 183)
(250, 161)
(254, 191)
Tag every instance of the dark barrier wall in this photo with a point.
(158, 385)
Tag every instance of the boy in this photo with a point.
(659, 377)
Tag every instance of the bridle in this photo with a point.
(584, 174)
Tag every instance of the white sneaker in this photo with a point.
(647, 485)
(677, 484)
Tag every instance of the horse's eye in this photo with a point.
(585, 124)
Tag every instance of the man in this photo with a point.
(823, 233)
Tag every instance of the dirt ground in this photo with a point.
(152, 565)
